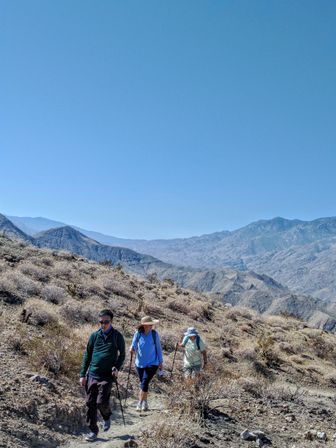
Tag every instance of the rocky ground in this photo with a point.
(271, 374)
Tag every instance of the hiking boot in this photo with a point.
(91, 437)
(145, 405)
(139, 406)
(106, 424)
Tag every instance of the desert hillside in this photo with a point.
(270, 373)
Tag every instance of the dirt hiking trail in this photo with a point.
(118, 434)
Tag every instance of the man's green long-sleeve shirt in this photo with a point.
(102, 353)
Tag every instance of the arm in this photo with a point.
(183, 343)
(134, 344)
(87, 359)
(159, 350)
(121, 349)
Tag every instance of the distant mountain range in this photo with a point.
(245, 288)
(298, 254)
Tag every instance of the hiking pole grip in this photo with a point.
(128, 378)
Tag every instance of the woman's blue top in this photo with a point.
(148, 353)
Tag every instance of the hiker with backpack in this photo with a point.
(195, 355)
(103, 358)
(147, 346)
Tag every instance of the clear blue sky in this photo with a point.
(167, 118)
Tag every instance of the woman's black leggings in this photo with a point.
(145, 375)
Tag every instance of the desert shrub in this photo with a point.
(168, 340)
(153, 310)
(63, 270)
(16, 337)
(112, 285)
(153, 278)
(297, 359)
(36, 272)
(39, 313)
(252, 386)
(66, 255)
(8, 292)
(54, 294)
(18, 283)
(93, 288)
(200, 311)
(248, 354)
(47, 261)
(75, 290)
(322, 348)
(169, 281)
(331, 379)
(178, 307)
(235, 313)
(286, 347)
(73, 311)
(193, 398)
(107, 263)
(171, 433)
(265, 347)
(59, 351)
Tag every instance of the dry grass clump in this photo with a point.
(112, 285)
(263, 389)
(192, 398)
(79, 313)
(63, 270)
(321, 346)
(178, 306)
(20, 285)
(38, 313)
(286, 347)
(58, 351)
(173, 432)
(169, 340)
(265, 346)
(237, 313)
(200, 311)
(36, 272)
(153, 310)
(54, 294)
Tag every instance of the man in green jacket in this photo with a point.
(103, 358)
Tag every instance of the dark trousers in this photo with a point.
(145, 375)
(97, 397)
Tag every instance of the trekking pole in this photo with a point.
(121, 407)
(171, 373)
(128, 378)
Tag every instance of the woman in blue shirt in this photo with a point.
(147, 346)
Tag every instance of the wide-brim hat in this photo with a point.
(191, 331)
(147, 320)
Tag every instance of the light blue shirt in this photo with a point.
(146, 354)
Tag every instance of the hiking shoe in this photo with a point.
(106, 424)
(139, 406)
(145, 405)
(91, 437)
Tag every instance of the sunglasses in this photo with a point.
(104, 322)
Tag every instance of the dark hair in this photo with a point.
(141, 329)
(106, 313)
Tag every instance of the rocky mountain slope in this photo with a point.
(268, 373)
(297, 254)
(255, 291)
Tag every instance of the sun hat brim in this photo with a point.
(153, 322)
(190, 334)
